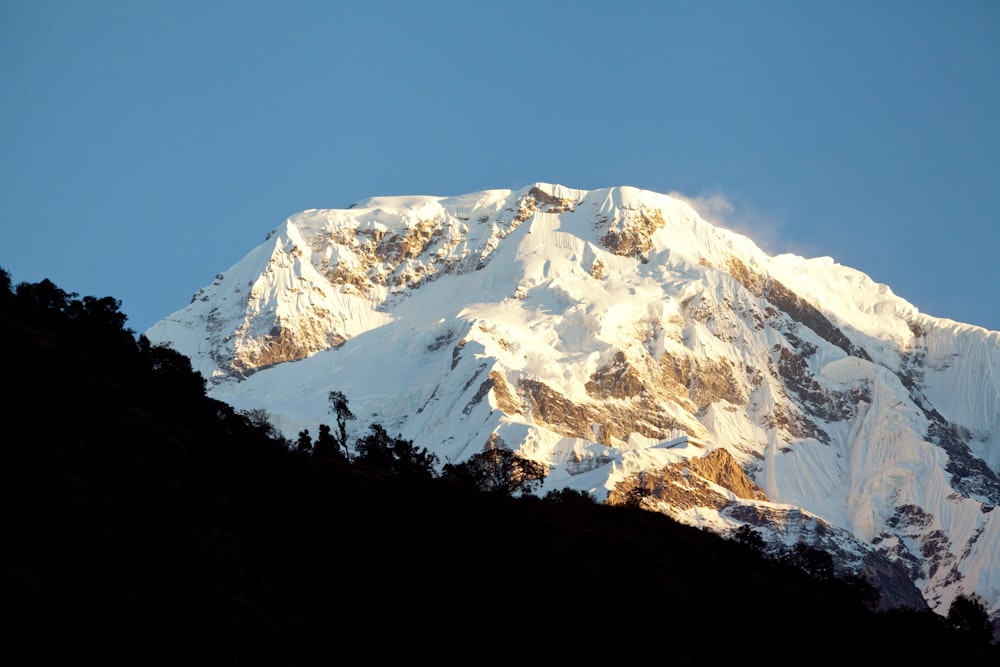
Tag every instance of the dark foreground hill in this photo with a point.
(145, 523)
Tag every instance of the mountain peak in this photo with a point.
(621, 339)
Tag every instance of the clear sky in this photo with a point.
(147, 146)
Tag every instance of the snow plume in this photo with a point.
(745, 219)
(714, 208)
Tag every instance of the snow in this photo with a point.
(542, 299)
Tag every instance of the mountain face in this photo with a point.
(620, 339)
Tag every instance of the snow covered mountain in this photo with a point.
(622, 340)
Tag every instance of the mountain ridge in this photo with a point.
(614, 334)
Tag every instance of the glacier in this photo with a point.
(621, 339)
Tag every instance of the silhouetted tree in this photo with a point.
(259, 420)
(568, 495)
(338, 405)
(103, 313)
(396, 456)
(44, 297)
(499, 470)
(326, 444)
(866, 593)
(813, 561)
(748, 536)
(967, 614)
(304, 444)
(170, 382)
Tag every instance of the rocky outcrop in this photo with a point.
(505, 398)
(700, 482)
(790, 303)
(630, 234)
(617, 379)
(550, 203)
(599, 422)
(283, 343)
(719, 467)
(685, 379)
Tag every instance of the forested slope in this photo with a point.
(148, 524)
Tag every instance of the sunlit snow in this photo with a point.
(409, 304)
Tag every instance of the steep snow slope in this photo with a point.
(622, 340)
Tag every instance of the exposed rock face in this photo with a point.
(505, 397)
(719, 467)
(621, 340)
(699, 482)
(615, 380)
(282, 343)
(630, 233)
(787, 301)
(705, 381)
(550, 203)
(599, 422)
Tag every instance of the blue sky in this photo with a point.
(147, 146)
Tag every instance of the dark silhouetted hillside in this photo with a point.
(146, 523)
